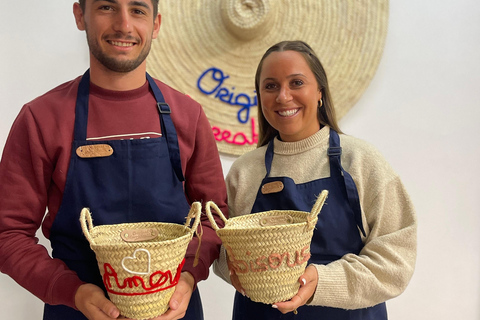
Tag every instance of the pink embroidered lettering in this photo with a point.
(239, 138)
(272, 262)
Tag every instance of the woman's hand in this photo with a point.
(308, 285)
(234, 278)
(91, 301)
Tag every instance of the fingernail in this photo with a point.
(243, 292)
(114, 313)
(304, 281)
(274, 306)
(174, 305)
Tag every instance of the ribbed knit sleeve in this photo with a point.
(385, 265)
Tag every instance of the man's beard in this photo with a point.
(113, 64)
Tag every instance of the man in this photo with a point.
(161, 157)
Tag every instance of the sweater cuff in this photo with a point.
(332, 286)
(220, 266)
(199, 272)
(65, 289)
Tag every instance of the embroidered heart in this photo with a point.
(130, 264)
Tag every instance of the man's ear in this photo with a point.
(79, 17)
(156, 25)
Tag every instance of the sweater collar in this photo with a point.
(119, 95)
(290, 148)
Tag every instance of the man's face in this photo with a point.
(119, 32)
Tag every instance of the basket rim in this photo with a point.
(140, 243)
(264, 229)
(228, 225)
(154, 223)
(186, 234)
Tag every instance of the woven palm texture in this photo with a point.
(268, 250)
(232, 35)
(140, 263)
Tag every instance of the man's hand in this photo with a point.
(91, 301)
(308, 285)
(180, 299)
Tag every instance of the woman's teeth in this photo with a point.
(287, 113)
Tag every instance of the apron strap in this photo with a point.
(336, 170)
(168, 129)
(269, 158)
(81, 114)
(334, 152)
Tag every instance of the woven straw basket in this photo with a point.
(140, 263)
(269, 250)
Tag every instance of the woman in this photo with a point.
(364, 246)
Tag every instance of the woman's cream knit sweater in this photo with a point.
(385, 265)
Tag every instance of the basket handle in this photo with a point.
(87, 224)
(195, 213)
(317, 207)
(211, 204)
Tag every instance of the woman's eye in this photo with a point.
(270, 86)
(297, 83)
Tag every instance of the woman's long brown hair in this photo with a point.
(325, 113)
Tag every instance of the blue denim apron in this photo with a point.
(140, 181)
(336, 233)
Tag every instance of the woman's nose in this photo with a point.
(283, 95)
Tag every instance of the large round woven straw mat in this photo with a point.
(210, 49)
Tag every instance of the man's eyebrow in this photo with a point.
(131, 3)
(140, 4)
(111, 1)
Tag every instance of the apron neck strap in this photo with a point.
(336, 171)
(81, 107)
(269, 157)
(334, 153)
(168, 128)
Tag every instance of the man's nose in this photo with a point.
(123, 21)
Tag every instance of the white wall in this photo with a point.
(421, 110)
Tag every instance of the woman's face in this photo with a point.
(289, 95)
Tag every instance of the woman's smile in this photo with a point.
(289, 95)
(288, 113)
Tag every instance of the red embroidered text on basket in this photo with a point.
(157, 280)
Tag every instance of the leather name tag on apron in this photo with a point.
(94, 151)
(272, 187)
(275, 221)
(136, 235)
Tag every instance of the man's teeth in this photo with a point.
(122, 44)
(287, 113)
